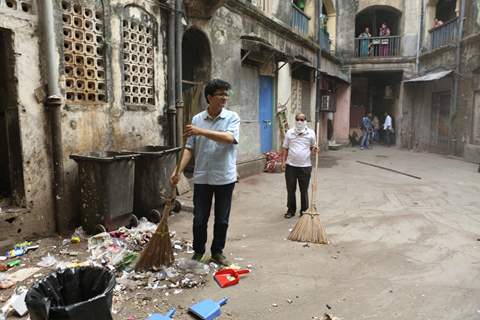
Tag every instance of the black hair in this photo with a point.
(214, 85)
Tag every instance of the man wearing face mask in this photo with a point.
(297, 147)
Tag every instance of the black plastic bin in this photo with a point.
(153, 168)
(72, 294)
(106, 190)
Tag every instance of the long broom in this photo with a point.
(158, 251)
(309, 227)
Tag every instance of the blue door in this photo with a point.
(266, 113)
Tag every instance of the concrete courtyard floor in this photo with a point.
(400, 248)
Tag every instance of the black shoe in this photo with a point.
(197, 257)
(220, 259)
(289, 214)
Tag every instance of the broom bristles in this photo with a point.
(309, 229)
(158, 251)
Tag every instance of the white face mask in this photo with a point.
(300, 125)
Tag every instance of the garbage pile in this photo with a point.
(27, 262)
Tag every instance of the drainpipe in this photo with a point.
(318, 98)
(420, 35)
(53, 104)
(456, 79)
(172, 112)
(178, 69)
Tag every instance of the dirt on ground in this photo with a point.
(399, 247)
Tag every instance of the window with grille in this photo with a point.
(83, 52)
(26, 6)
(138, 54)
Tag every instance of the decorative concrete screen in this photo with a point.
(18, 5)
(138, 42)
(83, 58)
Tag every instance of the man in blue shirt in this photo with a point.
(212, 139)
(367, 129)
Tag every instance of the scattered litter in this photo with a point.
(306, 245)
(328, 306)
(23, 274)
(75, 239)
(47, 261)
(274, 305)
(289, 301)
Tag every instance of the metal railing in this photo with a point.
(377, 47)
(299, 21)
(444, 34)
(325, 41)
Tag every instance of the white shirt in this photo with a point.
(388, 123)
(298, 146)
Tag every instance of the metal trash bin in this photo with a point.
(106, 190)
(153, 169)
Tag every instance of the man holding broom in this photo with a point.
(297, 147)
(212, 139)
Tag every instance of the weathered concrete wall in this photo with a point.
(37, 217)
(341, 119)
(114, 125)
(345, 27)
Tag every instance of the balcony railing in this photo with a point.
(377, 47)
(325, 41)
(299, 20)
(444, 34)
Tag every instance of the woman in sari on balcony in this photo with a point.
(384, 45)
(365, 42)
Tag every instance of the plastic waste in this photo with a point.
(89, 293)
(47, 261)
(190, 265)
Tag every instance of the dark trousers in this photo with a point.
(202, 204)
(302, 175)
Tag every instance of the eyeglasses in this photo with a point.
(300, 120)
(224, 95)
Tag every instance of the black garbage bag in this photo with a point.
(73, 294)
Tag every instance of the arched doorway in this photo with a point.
(378, 44)
(196, 60)
(373, 17)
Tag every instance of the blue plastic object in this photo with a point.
(208, 309)
(158, 316)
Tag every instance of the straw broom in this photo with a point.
(158, 251)
(309, 228)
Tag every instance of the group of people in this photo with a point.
(366, 45)
(370, 126)
(212, 139)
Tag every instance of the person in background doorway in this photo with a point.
(388, 129)
(384, 43)
(367, 129)
(297, 147)
(365, 42)
(212, 139)
(437, 23)
(376, 128)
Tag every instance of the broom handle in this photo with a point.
(315, 175)
(173, 195)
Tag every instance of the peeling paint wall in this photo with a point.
(104, 121)
(36, 217)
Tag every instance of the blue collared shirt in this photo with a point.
(215, 162)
